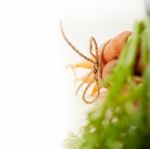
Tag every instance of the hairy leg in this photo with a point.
(73, 47)
(92, 42)
(85, 91)
(88, 75)
(88, 80)
(84, 64)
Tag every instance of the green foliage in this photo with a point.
(123, 120)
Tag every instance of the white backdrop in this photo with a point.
(37, 103)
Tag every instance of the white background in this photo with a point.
(37, 103)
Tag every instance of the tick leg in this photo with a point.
(94, 90)
(84, 64)
(93, 44)
(85, 91)
(73, 47)
(98, 89)
(88, 80)
(91, 47)
(83, 82)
